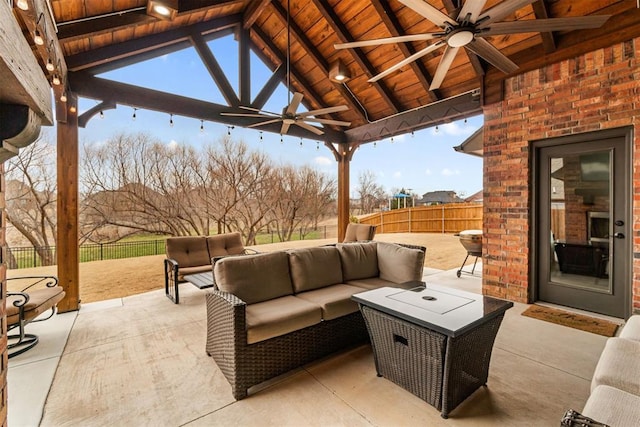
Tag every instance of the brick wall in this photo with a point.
(596, 91)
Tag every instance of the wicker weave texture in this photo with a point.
(245, 365)
(442, 371)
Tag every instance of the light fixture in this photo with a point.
(301, 142)
(171, 120)
(281, 140)
(134, 114)
(101, 114)
(339, 72)
(37, 36)
(55, 80)
(63, 97)
(317, 145)
(50, 66)
(260, 136)
(163, 9)
(22, 4)
(201, 125)
(229, 129)
(72, 109)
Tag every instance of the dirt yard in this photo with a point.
(102, 280)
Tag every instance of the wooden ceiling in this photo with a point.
(98, 35)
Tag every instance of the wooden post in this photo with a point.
(344, 154)
(67, 241)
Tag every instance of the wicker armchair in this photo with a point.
(23, 307)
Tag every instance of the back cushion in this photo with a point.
(225, 244)
(188, 251)
(358, 232)
(359, 260)
(399, 264)
(313, 268)
(254, 278)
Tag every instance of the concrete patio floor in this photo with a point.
(140, 360)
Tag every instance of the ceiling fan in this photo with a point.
(468, 29)
(290, 115)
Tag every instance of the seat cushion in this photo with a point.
(192, 270)
(619, 366)
(359, 260)
(40, 300)
(399, 264)
(280, 316)
(254, 278)
(631, 329)
(613, 407)
(188, 251)
(335, 300)
(375, 283)
(225, 244)
(313, 268)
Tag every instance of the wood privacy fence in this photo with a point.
(447, 218)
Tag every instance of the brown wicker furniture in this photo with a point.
(435, 342)
(188, 255)
(276, 311)
(39, 294)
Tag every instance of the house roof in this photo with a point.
(442, 196)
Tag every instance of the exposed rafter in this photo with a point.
(541, 12)
(98, 26)
(253, 12)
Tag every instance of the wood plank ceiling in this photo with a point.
(97, 35)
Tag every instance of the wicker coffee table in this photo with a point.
(433, 341)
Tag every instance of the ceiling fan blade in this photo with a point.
(493, 56)
(471, 10)
(328, 122)
(546, 25)
(431, 13)
(445, 62)
(285, 128)
(245, 115)
(268, 122)
(295, 103)
(408, 60)
(258, 110)
(499, 11)
(309, 127)
(376, 42)
(327, 110)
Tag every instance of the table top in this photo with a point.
(200, 280)
(449, 311)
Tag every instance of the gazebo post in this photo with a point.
(343, 155)
(67, 250)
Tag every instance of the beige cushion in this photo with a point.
(225, 244)
(313, 268)
(375, 283)
(279, 316)
(188, 251)
(358, 232)
(40, 300)
(335, 300)
(359, 260)
(613, 407)
(192, 270)
(399, 264)
(254, 278)
(619, 366)
(631, 329)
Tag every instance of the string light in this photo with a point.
(281, 140)
(72, 109)
(201, 125)
(229, 129)
(412, 134)
(260, 136)
(300, 142)
(56, 80)
(37, 36)
(392, 139)
(133, 117)
(375, 144)
(63, 97)
(436, 129)
(317, 145)
(171, 120)
(22, 4)
(101, 114)
(465, 121)
(50, 66)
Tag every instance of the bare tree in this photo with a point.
(31, 195)
(371, 193)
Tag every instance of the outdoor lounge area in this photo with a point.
(141, 361)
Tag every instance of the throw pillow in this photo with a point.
(399, 264)
(359, 260)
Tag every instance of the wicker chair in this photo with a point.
(26, 306)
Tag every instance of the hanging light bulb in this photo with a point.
(22, 4)
(171, 120)
(201, 125)
(260, 136)
(72, 109)
(55, 80)
(37, 37)
(300, 142)
(412, 134)
(317, 145)
(229, 129)
(392, 139)
(375, 144)
(133, 117)
(50, 66)
(63, 97)
(101, 114)
(436, 129)
(281, 140)
(465, 121)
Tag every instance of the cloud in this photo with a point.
(322, 161)
(449, 172)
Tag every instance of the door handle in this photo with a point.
(618, 235)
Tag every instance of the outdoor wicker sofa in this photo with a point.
(276, 311)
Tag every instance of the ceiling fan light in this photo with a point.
(460, 38)
(339, 72)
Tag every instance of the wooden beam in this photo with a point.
(447, 110)
(244, 66)
(118, 55)
(278, 76)
(541, 12)
(214, 69)
(97, 26)
(390, 20)
(67, 204)
(345, 36)
(84, 118)
(253, 11)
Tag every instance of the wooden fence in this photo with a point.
(447, 218)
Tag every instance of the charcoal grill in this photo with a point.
(472, 242)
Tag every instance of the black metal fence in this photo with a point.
(29, 256)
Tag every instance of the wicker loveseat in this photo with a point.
(276, 311)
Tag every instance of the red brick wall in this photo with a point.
(596, 91)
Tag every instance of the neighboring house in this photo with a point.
(475, 197)
(438, 198)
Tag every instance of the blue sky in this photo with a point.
(422, 162)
